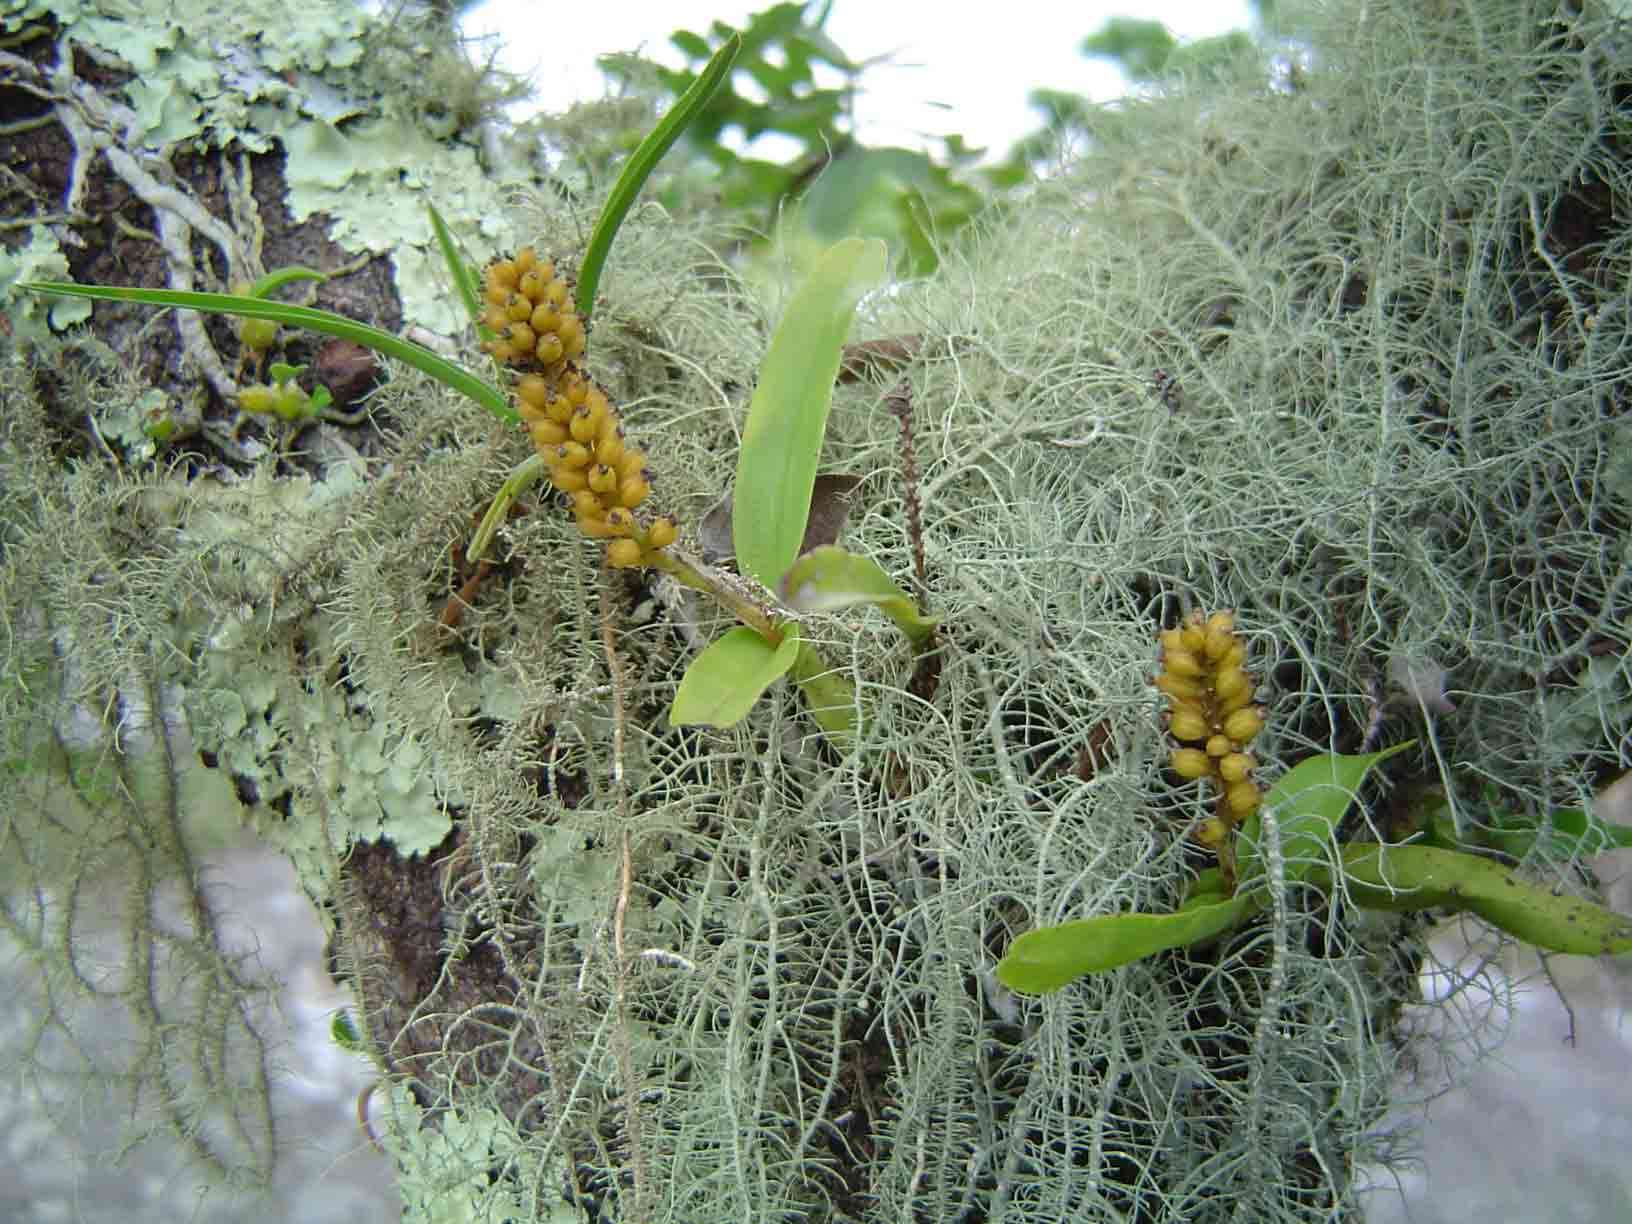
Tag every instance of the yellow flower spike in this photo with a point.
(1187, 725)
(1242, 725)
(662, 532)
(623, 554)
(1191, 763)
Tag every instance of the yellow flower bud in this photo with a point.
(1187, 724)
(545, 319)
(518, 308)
(1242, 797)
(586, 505)
(621, 554)
(1180, 688)
(1245, 723)
(1236, 766)
(258, 334)
(1231, 682)
(533, 391)
(568, 479)
(620, 521)
(547, 434)
(549, 350)
(662, 532)
(1219, 746)
(572, 454)
(1181, 663)
(521, 337)
(1191, 763)
(1212, 832)
(602, 478)
(503, 274)
(633, 491)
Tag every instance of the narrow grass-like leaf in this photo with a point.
(1048, 958)
(454, 377)
(829, 579)
(722, 683)
(275, 280)
(782, 440)
(1418, 877)
(642, 162)
(463, 275)
(1308, 800)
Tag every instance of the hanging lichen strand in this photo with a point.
(578, 433)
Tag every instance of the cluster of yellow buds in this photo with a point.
(1212, 715)
(573, 423)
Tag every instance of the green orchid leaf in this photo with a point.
(466, 280)
(830, 695)
(1417, 877)
(722, 683)
(782, 440)
(273, 281)
(454, 377)
(1048, 958)
(1309, 801)
(829, 579)
(642, 162)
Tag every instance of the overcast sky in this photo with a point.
(945, 72)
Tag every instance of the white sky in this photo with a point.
(946, 72)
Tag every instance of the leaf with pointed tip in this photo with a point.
(1309, 801)
(829, 579)
(722, 683)
(782, 440)
(1048, 958)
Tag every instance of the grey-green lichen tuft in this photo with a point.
(1322, 353)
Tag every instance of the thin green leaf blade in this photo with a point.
(782, 440)
(1048, 958)
(454, 377)
(1417, 877)
(464, 276)
(642, 162)
(1308, 801)
(277, 279)
(830, 579)
(722, 683)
